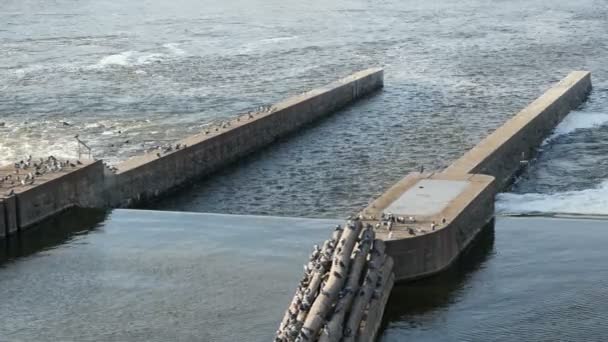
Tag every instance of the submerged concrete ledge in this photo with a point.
(149, 175)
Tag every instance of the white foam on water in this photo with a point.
(133, 58)
(576, 121)
(150, 58)
(589, 201)
(122, 59)
(278, 39)
(265, 43)
(175, 49)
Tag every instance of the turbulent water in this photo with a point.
(125, 76)
(570, 174)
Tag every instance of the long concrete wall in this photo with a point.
(149, 175)
(501, 152)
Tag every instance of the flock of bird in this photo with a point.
(161, 150)
(27, 171)
(320, 260)
(168, 148)
(388, 220)
(249, 116)
(340, 279)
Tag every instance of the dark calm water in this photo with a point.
(153, 276)
(165, 276)
(528, 279)
(158, 71)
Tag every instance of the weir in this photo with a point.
(425, 221)
(415, 229)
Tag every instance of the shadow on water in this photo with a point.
(51, 233)
(439, 291)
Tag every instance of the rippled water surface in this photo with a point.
(151, 71)
(133, 275)
(153, 276)
(527, 279)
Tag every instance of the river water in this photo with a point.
(133, 275)
(125, 76)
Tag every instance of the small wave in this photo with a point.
(577, 121)
(175, 49)
(118, 59)
(278, 39)
(589, 201)
(150, 58)
(137, 58)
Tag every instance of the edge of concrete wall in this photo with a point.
(500, 153)
(3, 220)
(32, 204)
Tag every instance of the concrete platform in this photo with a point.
(430, 199)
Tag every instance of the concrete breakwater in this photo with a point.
(90, 184)
(427, 220)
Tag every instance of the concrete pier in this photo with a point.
(149, 175)
(450, 208)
